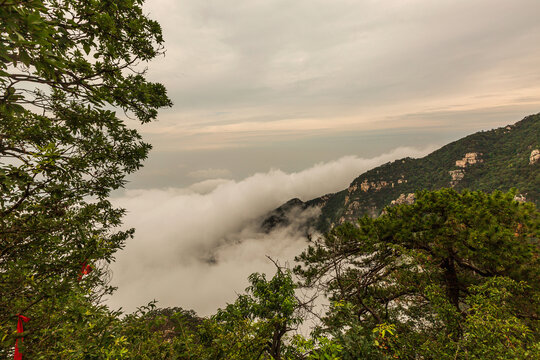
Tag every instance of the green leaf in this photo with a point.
(34, 19)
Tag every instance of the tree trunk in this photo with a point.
(275, 348)
(451, 279)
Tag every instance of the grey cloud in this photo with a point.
(278, 56)
(207, 186)
(210, 173)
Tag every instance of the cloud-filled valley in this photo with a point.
(195, 246)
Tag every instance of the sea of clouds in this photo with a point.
(194, 247)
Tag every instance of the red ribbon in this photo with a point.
(18, 355)
(85, 270)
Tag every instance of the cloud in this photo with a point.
(209, 173)
(207, 186)
(195, 246)
(342, 53)
(258, 71)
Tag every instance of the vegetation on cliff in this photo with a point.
(498, 159)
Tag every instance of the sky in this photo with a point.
(276, 99)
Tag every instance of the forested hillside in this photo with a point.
(498, 159)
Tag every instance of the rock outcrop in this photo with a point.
(404, 199)
(456, 175)
(366, 185)
(469, 159)
(535, 156)
(374, 185)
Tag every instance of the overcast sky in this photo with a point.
(282, 85)
(258, 84)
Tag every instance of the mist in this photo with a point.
(195, 246)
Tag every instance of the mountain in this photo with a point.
(499, 159)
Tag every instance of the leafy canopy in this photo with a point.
(65, 67)
(428, 269)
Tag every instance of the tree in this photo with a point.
(256, 324)
(65, 66)
(491, 323)
(416, 268)
(154, 333)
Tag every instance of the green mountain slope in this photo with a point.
(498, 159)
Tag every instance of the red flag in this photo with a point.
(85, 270)
(18, 355)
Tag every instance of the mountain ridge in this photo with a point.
(498, 159)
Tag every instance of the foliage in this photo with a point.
(320, 348)
(153, 333)
(76, 328)
(256, 324)
(415, 268)
(493, 325)
(64, 66)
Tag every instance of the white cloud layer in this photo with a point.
(194, 247)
